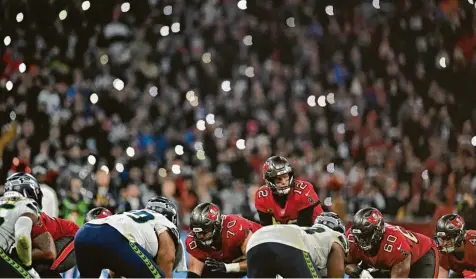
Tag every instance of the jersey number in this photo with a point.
(313, 230)
(229, 226)
(299, 188)
(262, 194)
(6, 206)
(140, 216)
(389, 247)
(342, 239)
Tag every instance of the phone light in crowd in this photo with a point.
(91, 160)
(13, 115)
(442, 62)
(226, 86)
(175, 27)
(105, 169)
(290, 22)
(321, 101)
(176, 169)
(85, 5)
(164, 31)
(201, 125)
(63, 14)
(125, 7)
(330, 98)
(354, 111)
(190, 95)
(130, 152)
(311, 101)
(104, 59)
(473, 141)
(9, 85)
(179, 150)
(206, 57)
(167, 10)
(250, 72)
(118, 84)
(330, 168)
(328, 201)
(471, 2)
(119, 167)
(94, 98)
(194, 102)
(341, 128)
(248, 40)
(210, 118)
(22, 68)
(200, 155)
(162, 172)
(376, 4)
(242, 5)
(153, 91)
(218, 133)
(330, 10)
(424, 175)
(241, 144)
(7, 40)
(19, 17)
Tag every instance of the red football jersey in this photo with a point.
(58, 228)
(396, 244)
(468, 262)
(233, 233)
(301, 196)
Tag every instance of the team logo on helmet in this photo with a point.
(266, 167)
(213, 213)
(457, 222)
(375, 218)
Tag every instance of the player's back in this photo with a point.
(57, 227)
(10, 210)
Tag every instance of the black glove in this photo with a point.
(215, 266)
(356, 273)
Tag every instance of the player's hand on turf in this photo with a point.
(365, 274)
(215, 266)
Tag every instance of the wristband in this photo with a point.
(233, 267)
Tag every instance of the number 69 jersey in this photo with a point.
(396, 244)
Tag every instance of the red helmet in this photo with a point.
(98, 213)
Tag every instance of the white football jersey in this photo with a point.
(316, 240)
(10, 210)
(141, 227)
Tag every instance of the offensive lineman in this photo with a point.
(136, 244)
(285, 200)
(292, 251)
(17, 216)
(457, 247)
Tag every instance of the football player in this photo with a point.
(457, 247)
(217, 243)
(137, 244)
(403, 253)
(17, 216)
(293, 251)
(285, 200)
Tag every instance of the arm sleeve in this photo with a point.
(305, 216)
(265, 219)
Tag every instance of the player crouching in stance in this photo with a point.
(298, 252)
(380, 245)
(17, 216)
(136, 244)
(457, 247)
(217, 243)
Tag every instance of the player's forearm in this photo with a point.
(23, 240)
(350, 269)
(243, 266)
(44, 248)
(401, 269)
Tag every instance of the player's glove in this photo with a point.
(365, 274)
(33, 273)
(215, 266)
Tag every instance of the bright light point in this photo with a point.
(167, 10)
(194, 102)
(94, 98)
(118, 84)
(91, 160)
(242, 5)
(201, 125)
(175, 27)
(330, 168)
(13, 115)
(218, 133)
(241, 144)
(250, 72)
(321, 101)
(125, 7)
(105, 169)
(153, 91)
(104, 59)
(176, 169)
(162, 172)
(206, 57)
(190, 95)
(201, 155)
(290, 22)
(354, 111)
(311, 101)
(22, 68)
(341, 128)
(63, 14)
(210, 118)
(330, 98)
(376, 4)
(442, 62)
(198, 145)
(328, 201)
(164, 31)
(424, 174)
(471, 2)
(330, 10)
(248, 40)
(130, 152)
(9, 85)
(19, 17)
(226, 86)
(7, 41)
(179, 150)
(119, 167)
(86, 5)
(473, 141)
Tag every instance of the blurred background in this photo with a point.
(110, 102)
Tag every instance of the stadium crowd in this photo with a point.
(111, 103)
